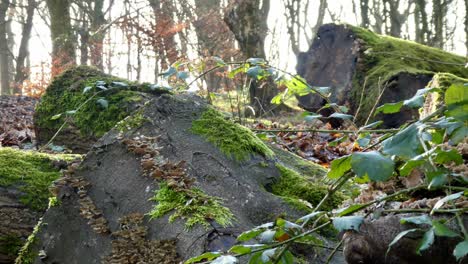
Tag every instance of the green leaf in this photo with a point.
(347, 223)
(288, 226)
(278, 99)
(247, 235)
(101, 87)
(443, 156)
(408, 167)
(240, 249)
(225, 260)
(337, 141)
(57, 116)
(119, 84)
(219, 61)
(236, 71)
(268, 254)
(323, 90)
(255, 72)
(418, 220)
(461, 250)
(103, 103)
(437, 178)
(287, 258)
(442, 230)
(310, 118)
(426, 242)
(456, 99)
(373, 164)
(339, 167)
(309, 216)
(364, 140)
(459, 135)
(372, 125)
(87, 89)
(203, 257)
(404, 143)
(171, 71)
(448, 198)
(351, 209)
(267, 236)
(389, 108)
(182, 75)
(256, 61)
(341, 116)
(398, 237)
(298, 86)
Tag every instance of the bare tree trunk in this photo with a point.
(365, 21)
(97, 38)
(4, 62)
(63, 40)
(422, 26)
(22, 69)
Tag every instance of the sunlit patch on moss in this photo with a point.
(232, 139)
(32, 173)
(387, 56)
(193, 205)
(295, 189)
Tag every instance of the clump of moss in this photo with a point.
(27, 254)
(66, 93)
(10, 245)
(387, 56)
(193, 205)
(293, 188)
(232, 139)
(32, 173)
(132, 121)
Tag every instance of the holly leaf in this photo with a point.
(372, 164)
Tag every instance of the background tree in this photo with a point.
(4, 52)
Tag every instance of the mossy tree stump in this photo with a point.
(358, 65)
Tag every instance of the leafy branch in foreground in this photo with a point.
(426, 146)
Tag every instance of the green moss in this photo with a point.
(386, 57)
(299, 164)
(28, 253)
(10, 245)
(445, 80)
(193, 205)
(65, 93)
(293, 188)
(132, 121)
(31, 172)
(232, 139)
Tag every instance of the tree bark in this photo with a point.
(22, 70)
(63, 40)
(97, 36)
(364, 7)
(4, 62)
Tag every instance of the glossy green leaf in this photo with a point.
(389, 108)
(373, 164)
(219, 61)
(417, 220)
(400, 236)
(339, 167)
(225, 260)
(456, 99)
(441, 229)
(267, 236)
(410, 165)
(203, 257)
(240, 249)
(103, 103)
(351, 209)
(309, 216)
(348, 223)
(404, 143)
(342, 116)
(437, 178)
(461, 250)
(255, 72)
(268, 254)
(426, 241)
(236, 71)
(448, 198)
(277, 99)
(443, 156)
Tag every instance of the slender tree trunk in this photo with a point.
(365, 21)
(438, 15)
(422, 25)
(321, 14)
(4, 62)
(466, 27)
(63, 40)
(97, 37)
(22, 69)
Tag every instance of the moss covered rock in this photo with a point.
(25, 177)
(90, 101)
(359, 65)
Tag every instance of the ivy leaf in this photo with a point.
(373, 164)
(389, 108)
(347, 223)
(442, 230)
(256, 61)
(339, 167)
(461, 250)
(448, 198)
(398, 237)
(456, 99)
(405, 143)
(341, 116)
(208, 256)
(418, 220)
(55, 117)
(103, 103)
(240, 249)
(182, 75)
(119, 84)
(87, 89)
(426, 242)
(225, 260)
(171, 71)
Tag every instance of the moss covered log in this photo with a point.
(359, 65)
(25, 177)
(92, 103)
